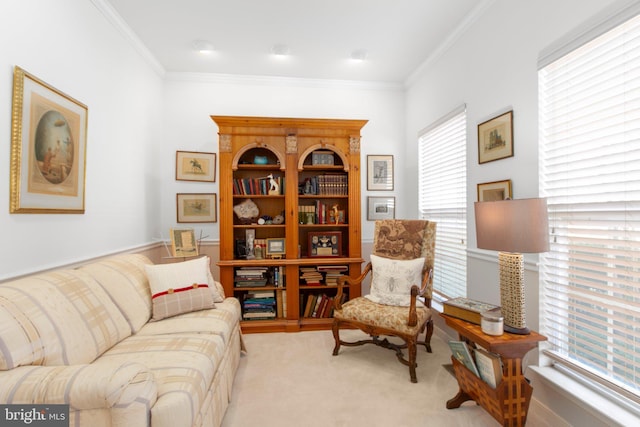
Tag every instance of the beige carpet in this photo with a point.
(291, 379)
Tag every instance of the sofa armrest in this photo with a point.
(126, 389)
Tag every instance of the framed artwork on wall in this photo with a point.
(492, 191)
(48, 148)
(381, 208)
(196, 207)
(195, 166)
(495, 138)
(380, 172)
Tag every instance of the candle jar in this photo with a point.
(492, 322)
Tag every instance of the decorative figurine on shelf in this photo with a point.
(336, 217)
(258, 252)
(251, 237)
(278, 219)
(274, 188)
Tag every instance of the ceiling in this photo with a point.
(397, 36)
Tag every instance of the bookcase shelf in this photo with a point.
(324, 156)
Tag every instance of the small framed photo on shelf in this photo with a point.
(325, 243)
(196, 207)
(195, 166)
(275, 248)
(380, 172)
(495, 138)
(183, 242)
(322, 157)
(381, 208)
(493, 191)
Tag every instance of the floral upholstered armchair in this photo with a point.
(401, 269)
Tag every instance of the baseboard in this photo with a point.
(541, 416)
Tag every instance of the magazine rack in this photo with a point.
(509, 401)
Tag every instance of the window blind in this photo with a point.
(443, 198)
(589, 111)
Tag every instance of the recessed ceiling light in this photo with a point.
(280, 50)
(359, 55)
(203, 46)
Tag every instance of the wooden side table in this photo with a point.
(509, 401)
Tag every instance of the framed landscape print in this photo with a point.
(493, 191)
(195, 166)
(381, 208)
(196, 207)
(48, 148)
(380, 172)
(495, 138)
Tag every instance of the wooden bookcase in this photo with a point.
(316, 165)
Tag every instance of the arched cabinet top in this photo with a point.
(324, 147)
(259, 147)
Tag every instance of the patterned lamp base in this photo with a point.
(512, 292)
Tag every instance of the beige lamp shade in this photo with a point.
(513, 225)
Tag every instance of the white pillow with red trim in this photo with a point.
(179, 288)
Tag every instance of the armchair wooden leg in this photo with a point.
(412, 349)
(427, 336)
(336, 336)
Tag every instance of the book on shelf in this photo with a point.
(321, 300)
(466, 309)
(310, 305)
(489, 367)
(461, 352)
(259, 305)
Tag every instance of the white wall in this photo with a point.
(493, 68)
(190, 100)
(71, 46)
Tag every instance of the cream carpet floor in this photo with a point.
(292, 379)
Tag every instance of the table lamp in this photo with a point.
(513, 227)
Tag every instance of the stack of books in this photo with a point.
(311, 276)
(250, 276)
(259, 305)
(332, 272)
(467, 309)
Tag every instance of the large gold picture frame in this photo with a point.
(48, 148)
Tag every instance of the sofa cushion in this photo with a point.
(392, 280)
(221, 321)
(183, 365)
(179, 288)
(124, 279)
(58, 318)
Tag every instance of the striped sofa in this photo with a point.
(82, 337)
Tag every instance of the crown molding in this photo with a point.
(118, 23)
(453, 37)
